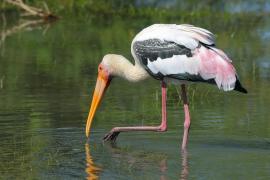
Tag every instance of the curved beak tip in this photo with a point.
(87, 133)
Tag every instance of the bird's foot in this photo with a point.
(111, 136)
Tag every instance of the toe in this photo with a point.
(111, 136)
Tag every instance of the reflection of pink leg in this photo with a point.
(187, 117)
(112, 135)
(184, 172)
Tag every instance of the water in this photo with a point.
(47, 75)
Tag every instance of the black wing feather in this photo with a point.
(152, 49)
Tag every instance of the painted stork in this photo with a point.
(170, 53)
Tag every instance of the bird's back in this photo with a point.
(185, 53)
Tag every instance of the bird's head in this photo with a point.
(106, 71)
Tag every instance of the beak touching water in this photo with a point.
(103, 81)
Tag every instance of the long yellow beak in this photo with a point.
(102, 83)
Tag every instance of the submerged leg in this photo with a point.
(112, 135)
(187, 116)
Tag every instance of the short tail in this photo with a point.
(239, 87)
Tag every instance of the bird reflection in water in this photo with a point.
(184, 165)
(91, 169)
(184, 171)
(163, 169)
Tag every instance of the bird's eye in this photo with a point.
(99, 68)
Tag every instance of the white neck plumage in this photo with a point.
(120, 66)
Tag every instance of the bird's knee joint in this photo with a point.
(187, 125)
(162, 128)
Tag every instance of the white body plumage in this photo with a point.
(206, 62)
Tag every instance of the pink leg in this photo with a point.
(112, 135)
(187, 117)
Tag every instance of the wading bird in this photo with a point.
(170, 53)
